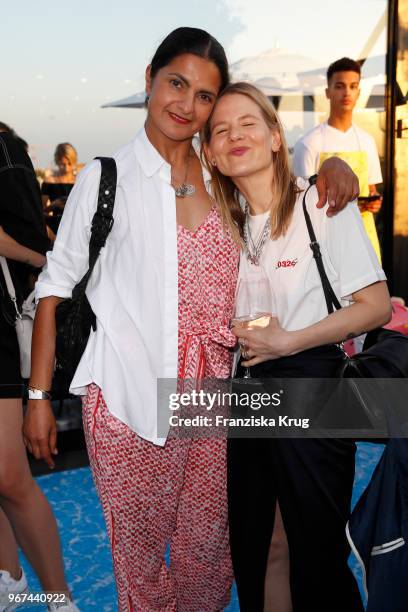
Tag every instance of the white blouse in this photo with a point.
(133, 289)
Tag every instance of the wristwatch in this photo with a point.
(38, 394)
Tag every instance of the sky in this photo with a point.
(62, 61)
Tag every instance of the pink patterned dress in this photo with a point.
(208, 266)
(153, 496)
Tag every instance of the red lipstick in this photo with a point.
(178, 119)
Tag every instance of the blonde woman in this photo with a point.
(311, 478)
(58, 185)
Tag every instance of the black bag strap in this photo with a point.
(331, 299)
(102, 220)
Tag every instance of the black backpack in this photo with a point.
(74, 317)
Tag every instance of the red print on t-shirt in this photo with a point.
(286, 263)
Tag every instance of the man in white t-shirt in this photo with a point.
(341, 137)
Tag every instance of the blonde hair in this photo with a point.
(284, 188)
(65, 149)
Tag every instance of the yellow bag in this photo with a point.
(358, 162)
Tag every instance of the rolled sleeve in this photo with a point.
(351, 252)
(68, 261)
(304, 161)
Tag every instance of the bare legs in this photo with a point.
(25, 511)
(8, 548)
(277, 586)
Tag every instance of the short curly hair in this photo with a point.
(345, 64)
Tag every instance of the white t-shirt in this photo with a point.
(324, 139)
(349, 260)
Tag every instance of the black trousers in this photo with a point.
(313, 480)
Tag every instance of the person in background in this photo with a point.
(57, 186)
(25, 514)
(6, 128)
(339, 136)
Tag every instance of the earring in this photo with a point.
(214, 163)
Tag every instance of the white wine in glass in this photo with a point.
(253, 321)
(254, 305)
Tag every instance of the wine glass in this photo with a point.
(254, 306)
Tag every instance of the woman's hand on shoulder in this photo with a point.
(263, 344)
(40, 431)
(336, 184)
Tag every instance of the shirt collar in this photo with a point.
(330, 127)
(151, 161)
(148, 156)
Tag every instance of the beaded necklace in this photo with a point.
(254, 251)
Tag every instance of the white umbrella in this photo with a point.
(135, 101)
(277, 64)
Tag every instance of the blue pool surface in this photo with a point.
(85, 543)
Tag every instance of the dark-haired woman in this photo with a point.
(162, 293)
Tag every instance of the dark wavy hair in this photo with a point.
(345, 64)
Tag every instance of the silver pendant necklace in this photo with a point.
(254, 251)
(185, 189)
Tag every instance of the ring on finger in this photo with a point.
(245, 352)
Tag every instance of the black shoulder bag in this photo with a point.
(385, 352)
(74, 316)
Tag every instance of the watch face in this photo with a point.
(38, 394)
